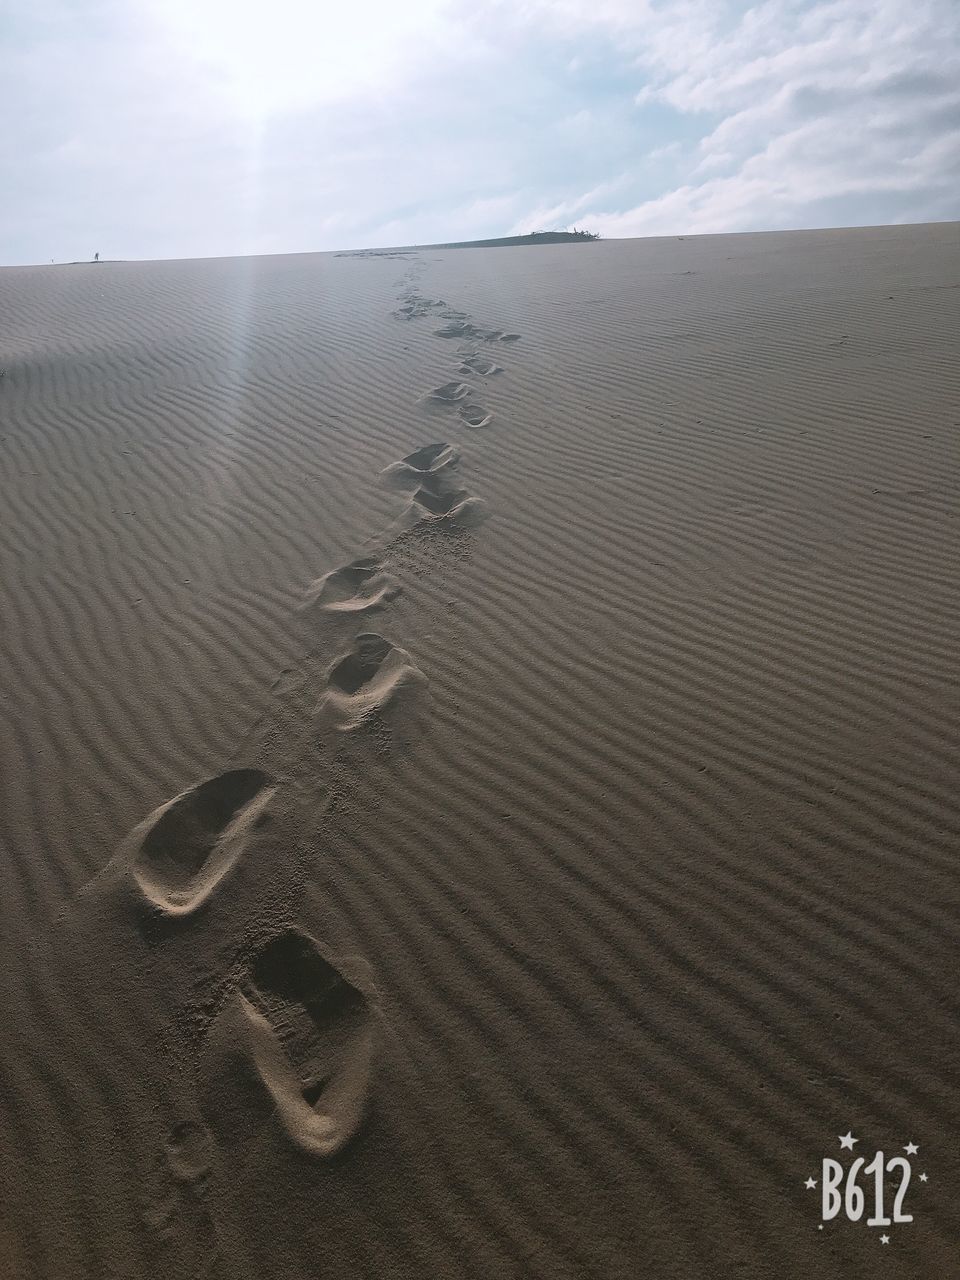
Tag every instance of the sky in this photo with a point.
(194, 128)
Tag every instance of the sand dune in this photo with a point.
(480, 741)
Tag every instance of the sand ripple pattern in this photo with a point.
(665, 890)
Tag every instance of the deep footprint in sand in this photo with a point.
(415, 306)
(180, 853)
(440, 503)
(358, 587)
(457, 329)
(411, 471)
(461, 327)
(431, 458)
(296, 1041)
(370, 675)
(429, 475)
(439, 500)
(480, 365)
(474, 416)
(496, 335)
(449, 393)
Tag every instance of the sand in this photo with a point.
(519, 857)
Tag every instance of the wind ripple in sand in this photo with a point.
(689, 879)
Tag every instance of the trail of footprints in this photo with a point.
(304, 1029)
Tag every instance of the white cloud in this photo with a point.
(170, 128)
(564, 213)
(852, 103)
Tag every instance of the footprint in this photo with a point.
(359, 667)
(429, 474)
(480, 365)
(357, 587)
(474, 416)
(180, 853)
(364, 680)
(460, 327)
(297, 1036)
(457, 329)
(497, 335)
(417, 306)
(189, 1153)
(450, 392)
(409, 472)
(439, 499)
(414, 305)
(173, 1206)
(431, 458)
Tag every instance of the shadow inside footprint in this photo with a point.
(450, 392)
(354, 588)
(411, 470)
(456, 329)
(415, 306)
(481, 365)
(430, 458)
(439, 499)
(297, 1037)
(474, 416)
(365, 680)
(360, 666)
(181, 852)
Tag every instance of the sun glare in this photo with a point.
(292, 54)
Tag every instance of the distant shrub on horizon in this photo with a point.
(531, 237)
(575, 234)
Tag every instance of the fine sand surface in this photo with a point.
(479, 736)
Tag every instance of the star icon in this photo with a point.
(820, 1228)
(810, 1183)
(911, 1148)
(884, 1239)
(847, 1141)
(923, 1177)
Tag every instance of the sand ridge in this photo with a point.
(546, 872)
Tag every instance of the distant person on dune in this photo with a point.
(96, 257)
